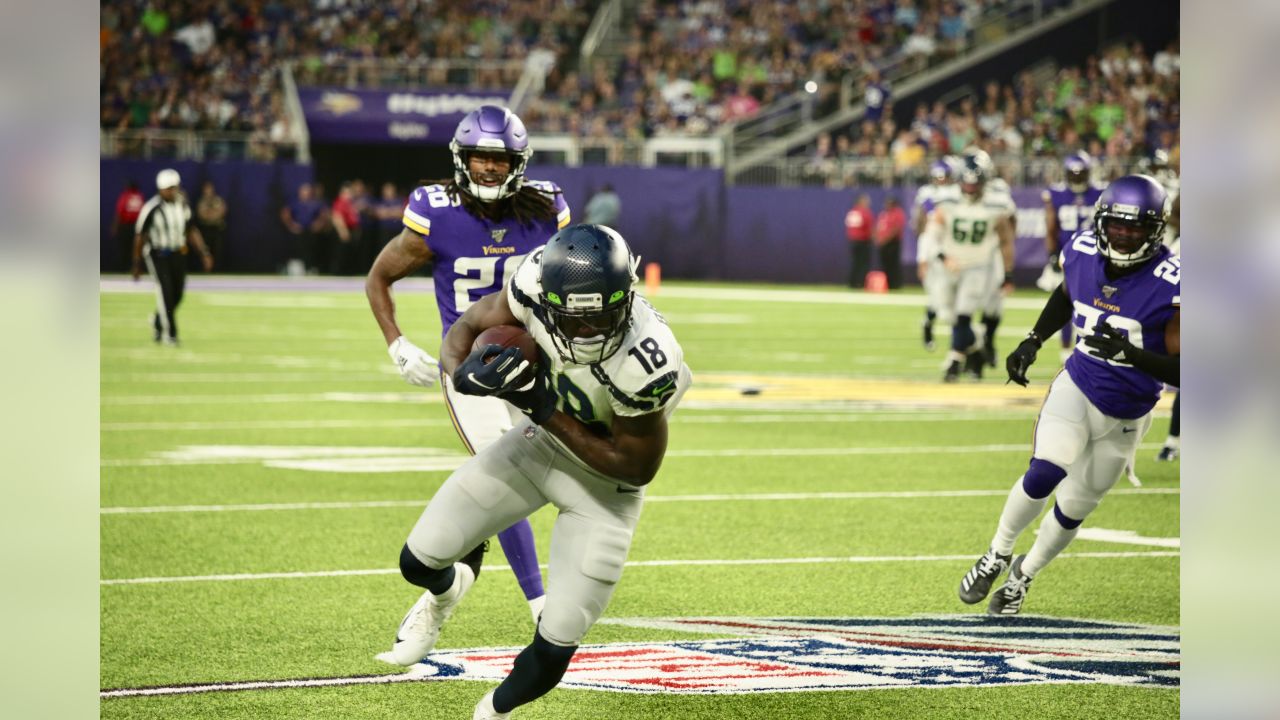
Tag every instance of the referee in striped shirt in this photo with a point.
(161, 234)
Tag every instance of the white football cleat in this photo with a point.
(421, 626)
(485, 711)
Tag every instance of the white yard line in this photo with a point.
(274, 424)
(727, 497)
(441, 422)
(636, 563)
(726, 452)
(818, 297)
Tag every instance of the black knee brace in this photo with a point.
(537, 669)
(418, 573)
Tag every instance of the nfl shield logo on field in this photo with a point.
(811, 654)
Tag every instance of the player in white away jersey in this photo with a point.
(965, 232)
(610, 372)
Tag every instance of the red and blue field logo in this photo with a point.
(799, 654)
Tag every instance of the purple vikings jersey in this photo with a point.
(1073, 210)
(1139, 304)
(473, 256)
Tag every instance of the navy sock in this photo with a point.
(537, 669)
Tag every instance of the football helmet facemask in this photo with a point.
(490, 128)
(1129, 220)
(587, 272)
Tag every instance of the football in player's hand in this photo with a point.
(509, 336)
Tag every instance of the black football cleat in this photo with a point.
(976, 584)
(973, 363)
(953, 372)
(1007, 599)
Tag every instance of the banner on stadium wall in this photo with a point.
(342, 115)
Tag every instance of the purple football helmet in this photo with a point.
(940, 171)
(490, 128)
(1077, 166)
(1129, 220)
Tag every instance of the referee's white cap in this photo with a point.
(167, 178)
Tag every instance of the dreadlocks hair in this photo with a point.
(527, 205)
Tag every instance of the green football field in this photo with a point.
(258, 482)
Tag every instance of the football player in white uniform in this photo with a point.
(929, 269)
(997, 192)
(968, 230)
(610, 372)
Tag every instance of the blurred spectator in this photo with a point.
(858, 224)
(346, 225)
(888, 233)
(876, 95)
(604, 207)
(389, 209)
(128, 204)
(306, 219)
(211, 220)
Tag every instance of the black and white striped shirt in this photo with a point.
(163, 225)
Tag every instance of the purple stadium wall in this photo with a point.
(687, 220)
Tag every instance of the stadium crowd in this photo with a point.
(212, 65)
(690, 66)
(1121, 104)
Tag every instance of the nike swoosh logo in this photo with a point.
(417, 194)
(1128, 430)
(472, 378)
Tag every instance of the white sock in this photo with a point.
(1019, 510)
(1172, 441)
(535, 607)
(484, 709)
(1052, 540)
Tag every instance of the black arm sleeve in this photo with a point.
(1056, 313)
(1165, 368)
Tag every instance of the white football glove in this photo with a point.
(414, 364)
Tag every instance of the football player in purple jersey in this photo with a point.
(476, 228)
(1122, 292)
(1068, 207)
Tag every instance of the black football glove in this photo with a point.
(504, 369)
(536, 399)
(1109, 343)
(1019, 361)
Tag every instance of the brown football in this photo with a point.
(508, 336)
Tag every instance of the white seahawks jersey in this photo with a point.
(969, 226)
(645, 375)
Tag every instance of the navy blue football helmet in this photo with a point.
(490, 128)
(973, 176)
(1129, 220)
(587, 274)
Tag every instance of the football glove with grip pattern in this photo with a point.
(415, 365)
(1109, 343)
(1020, 360)
(535, 399)
(490, 370)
